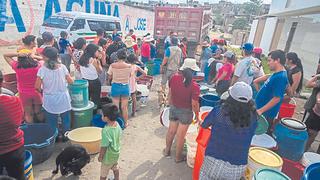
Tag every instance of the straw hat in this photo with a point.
(190, 63)
(129, 42)
(148, 39)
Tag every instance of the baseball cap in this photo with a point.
(50, 52)
(47, 36)
(229, 54)
(247, 47)
(241, 92)
(257, 50)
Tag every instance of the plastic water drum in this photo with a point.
(291, 136)
(264, 141)
(28, 172)
(97, 121)
(266, 173)
(156, 67)
(309, 158)
(312, 172)
(209, 100)
(262, 158)
(82, 116)
(79, 93)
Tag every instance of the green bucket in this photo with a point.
(150, 68)
(265, 173)
(82, 116)
(79, 93)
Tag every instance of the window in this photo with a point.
(58, 22)
(183, 15)
(107, 26)
(78, 24)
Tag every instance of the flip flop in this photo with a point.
(165, 154)
(184, 158)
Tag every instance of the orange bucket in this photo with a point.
(202, 139)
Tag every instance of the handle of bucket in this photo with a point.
(66, 133)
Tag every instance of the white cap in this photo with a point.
(241, 92)
(190, 63)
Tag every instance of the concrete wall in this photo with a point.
(253, 30)
(25, 17)
(267, 35)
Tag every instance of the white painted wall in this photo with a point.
(267, 35)
(278, 5)
(253, 30)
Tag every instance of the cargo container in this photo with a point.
(191, 22)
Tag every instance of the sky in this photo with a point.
(214, 1)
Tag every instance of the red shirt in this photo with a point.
(227, 67)
(181, 96)
(145, 50)
(135, 48)
(11, 115)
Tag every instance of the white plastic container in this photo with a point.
(309, 158)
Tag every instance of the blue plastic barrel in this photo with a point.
(209, 100)
(97, 121)
(312, 172)
(79, 93)
(28, 172)
(156, 67)
(291, 136)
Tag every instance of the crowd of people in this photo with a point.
(43, 69)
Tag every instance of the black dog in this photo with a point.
(71, 160)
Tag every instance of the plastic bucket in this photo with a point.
(28, 172)
(292, 169)
(262, 158)
(266, 173)
(39, 139)
(79, 93)
(287, 109)
(97, 121)
(312, 172)
(150, 66)
(309, 158)
(82, 116)
(264, 141)
(209, 100)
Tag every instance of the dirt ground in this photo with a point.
(141, 150)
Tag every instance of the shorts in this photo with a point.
(29, 99)
(184, 116)
(105, 168)
(120, 90)
(166, 76)
(312, 121)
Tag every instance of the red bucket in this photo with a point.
(287, 109)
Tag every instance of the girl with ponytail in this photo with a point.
(295, 72)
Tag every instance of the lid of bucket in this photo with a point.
(265, 157)
(262, 126)
(266, 173)
(310, 158)
(293, 123)
(263, 140)
(205, 108)
(90, 106)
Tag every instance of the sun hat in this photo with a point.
(229, 55)
(190, 63)
(148, 39)
(257, 50)
(247, 47)
(129, 42)
(240, 91)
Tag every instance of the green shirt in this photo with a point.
(111, 141)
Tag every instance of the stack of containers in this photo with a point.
(82, 108)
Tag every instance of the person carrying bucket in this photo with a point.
(233, 125)
(51, 80)
(184, 100)
(12, 152)
(270, 96)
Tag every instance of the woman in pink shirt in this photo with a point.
(26, 70)
(223, 78)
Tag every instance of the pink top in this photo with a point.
(145, 50)
(26, 78)
(227, 67)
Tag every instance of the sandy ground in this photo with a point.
(141, 150)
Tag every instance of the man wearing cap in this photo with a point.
(12, 153)
(270, 96)
(244, 71)
(171, 62)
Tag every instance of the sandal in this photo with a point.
(184, 158)
(165, 154)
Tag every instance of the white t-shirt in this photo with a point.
(90, 72)
(56, 98)
(245, 70)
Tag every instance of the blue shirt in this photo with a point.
(206, 55)
(63, 44)
(226, 142)
(275, 86)
(153, 51)
(167, 52)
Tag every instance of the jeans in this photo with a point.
(14, 163)
(52, 119)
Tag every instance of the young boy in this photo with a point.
(110, 142)
(65, 50)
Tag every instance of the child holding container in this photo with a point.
(110, 142)
(53, 77)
